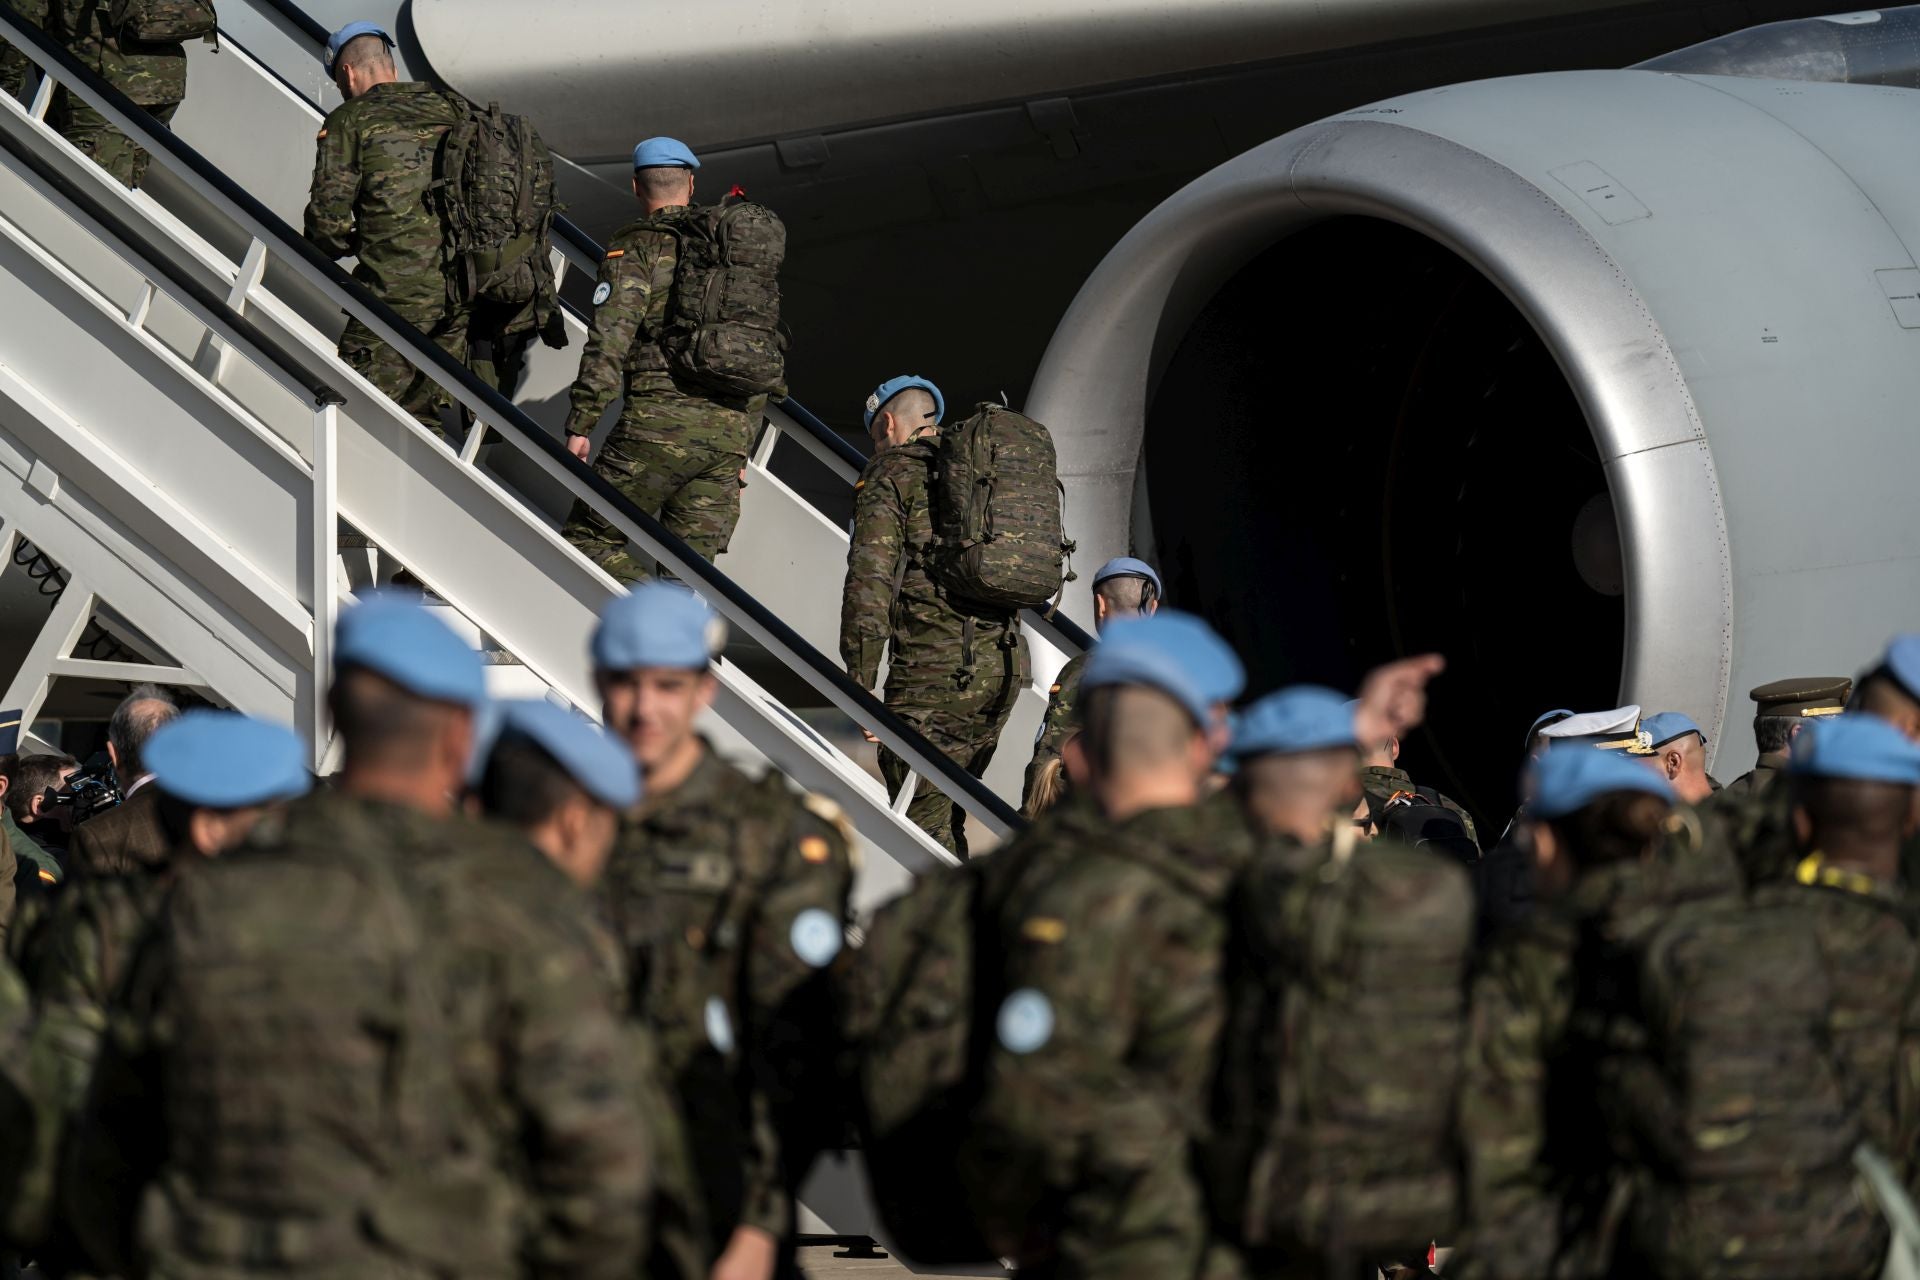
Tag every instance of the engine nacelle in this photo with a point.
(1394, 380)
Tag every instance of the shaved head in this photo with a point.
(368, 53)
(1297, 793)
(383, 726)
(664, 185)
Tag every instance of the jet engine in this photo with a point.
(1604, 384)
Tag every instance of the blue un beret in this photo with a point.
(664, 153)
(1902, 662)
(390, 634)
(1564, 781)
(603, 767)
(894, 386)
(657, 625)
(224, 760)
(1305, 717)
(1857, 746)
(1173, 652)
(1663, 727)
(353, 31)
(1127, 567)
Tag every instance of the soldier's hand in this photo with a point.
(1393, 701)
(580, 446)
(750, 1255)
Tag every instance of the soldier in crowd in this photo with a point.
(36, 870)
(297, 1057)
(128, 837)
(1678, 750)
(1122, 588)
(372, 199)
(953, 671)
(679, 451)
(143, 57)
(1384, 782)
(1096, 1086)
(729, 897)
(1781, 710)
(15, 67)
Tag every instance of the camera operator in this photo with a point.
(37, 871)
(129, 836)
(32, 800)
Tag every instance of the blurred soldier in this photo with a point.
(143, 57)
(372, 199)
(729, 897)
(128, 837)
(1097, 1084)
(1679, 754)
(299, 1067)
(1891, 690)
(1385, 783)
(1122, 588)
(15, 65)
(566, 784)
(1782, 709)
(951, 674)
(1538, 1158)
(678, 450)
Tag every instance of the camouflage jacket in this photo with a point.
(541, 1045)
(890, 596)
(1540, 1165)
(19, 1116)
(371, 196)
(1097, 1086)
(149, 74)
(729, 898)
(1384, 783)
(14, 64)
(1060, 721)
(279, 1086)
(623, 355)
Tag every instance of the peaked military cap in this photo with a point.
(1664, 726)
(1856, 746)
(658, 624)
(1564, 781)
(664, 153)
(391, 634)
(348, 34)
(1127, 567)
(224, 760)
(1802, 696)
(1304, 717)
(1616, 730)
(602, 767)
(894, 386)
(1173, 652)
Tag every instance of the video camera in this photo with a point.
(89, 790)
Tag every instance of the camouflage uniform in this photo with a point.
(281, 1094)
(1058, 726)
(15, 66)
(951, 675)
(677, 451)
(1545, 1015)
(709, 891)
(1383, 783)
(153, 76)
(370, 199)
(1090, 1139)
(541, 1045)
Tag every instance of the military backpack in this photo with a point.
(1419, 817)
(493, 179)
(1347, 1015)
(723, 326)
(998, 512)
(1742, 1135)
(163, 21)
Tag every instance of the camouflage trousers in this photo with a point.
(14, 68)
(395, 375)
(105, 145)
(965, 723)
(678, 458)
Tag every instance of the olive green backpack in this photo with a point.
(999, 512)
(164, 21)
(723, 325)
